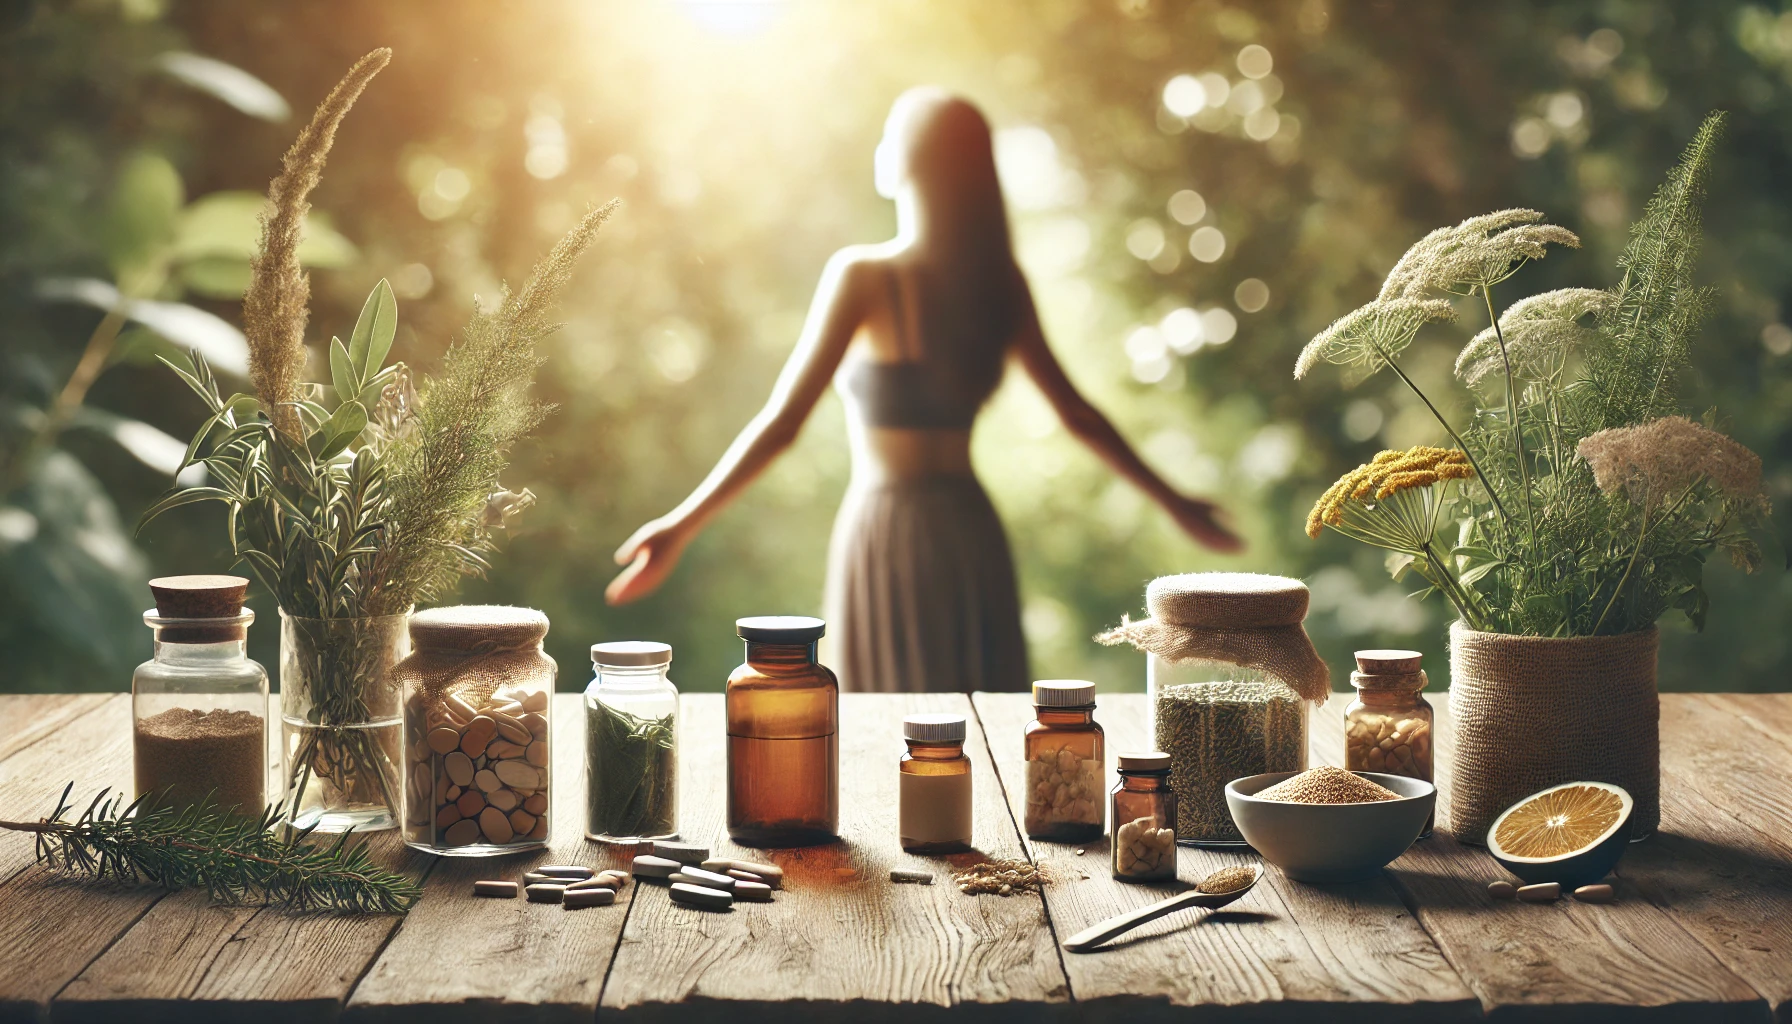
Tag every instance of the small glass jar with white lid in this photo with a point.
(631, 743)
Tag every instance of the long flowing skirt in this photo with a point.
(921, 594)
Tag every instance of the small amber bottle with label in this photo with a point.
(935, 799)
(783, 710)
(1066, 795)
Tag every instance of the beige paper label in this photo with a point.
(935, 808)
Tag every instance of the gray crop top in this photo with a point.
(915, 394)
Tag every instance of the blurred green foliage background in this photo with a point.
(1197, 187)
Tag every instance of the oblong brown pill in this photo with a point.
(542, 892)
(1502, 890)
(744, 876)
(757, 892)
(496, 889)
(592, 897)
(1600, 893)
(1542, 892)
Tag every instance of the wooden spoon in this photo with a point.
(1120, 924)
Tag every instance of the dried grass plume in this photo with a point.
(1655, 461)
(275, 307)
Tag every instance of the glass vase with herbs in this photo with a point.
(354, 501)
(631, 744)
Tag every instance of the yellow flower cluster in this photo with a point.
(1383, 476)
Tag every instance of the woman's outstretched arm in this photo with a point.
(834, 317)
(1198, 517)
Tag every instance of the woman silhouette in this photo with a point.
(920, 587)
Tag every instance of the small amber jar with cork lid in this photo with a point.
(1389, 726)
(199, 708)
(934, 803)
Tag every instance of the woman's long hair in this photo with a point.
(949, 158)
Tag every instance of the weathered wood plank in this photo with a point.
(1562, 961)
(30, 717)
(55, 927)
(461, 958)
(187, 960)
(1722, 863)
(1348, 952)
(840, 939)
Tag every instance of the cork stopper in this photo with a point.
(199, 598)
(1388, 670)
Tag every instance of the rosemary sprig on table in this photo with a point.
(235, 859)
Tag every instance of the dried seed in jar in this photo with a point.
(461, 833)
(487, 781)
(504, 800)
(470, 803)
(518, 775)
(512, 729)
(522, 822)
(496, 826)
(477, 735)
(459, 768)
(535, 700)
(459, 708)
(535, 803)
(444, 739)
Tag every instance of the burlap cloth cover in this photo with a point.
(1533, 712)
(1237, 617)
(473, 649)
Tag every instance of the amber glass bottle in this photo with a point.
(1388, 727)
(1065, 764)
(934, 801)
(783, 737)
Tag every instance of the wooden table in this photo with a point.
(1702, 929)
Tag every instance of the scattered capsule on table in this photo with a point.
(544, 893)
(1600, 893)
(701, 896)
(912, 877)
(566, 871)
(596, 882)
(698, 876)
(593, 897)
(757, 892)
(647, 866)
(1542, 892)
(684, 853)
(770, 874)
(495, 889)
(1502, 890)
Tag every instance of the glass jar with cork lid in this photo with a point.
(783, 711)
(1229, 673)
(199, 707)
(1388, 727)
(478, 716)
(1066, 763)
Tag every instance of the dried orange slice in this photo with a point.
(1573, 833)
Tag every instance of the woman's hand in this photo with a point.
(1200, 519)
(650, 555)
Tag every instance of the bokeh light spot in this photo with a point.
(1207, 244)
(1187, 206)
(1145, 238)
(1255, 61)
(1184, 95)
(1251, 295)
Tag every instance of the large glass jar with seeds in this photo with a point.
(1230, 675)
(478, 736)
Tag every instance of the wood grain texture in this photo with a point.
(54, 927)
(839, 939)
(188, 960)
(1561, 961)
(1348, 952)
(1722, 863)
(30, 717)
(463, 958)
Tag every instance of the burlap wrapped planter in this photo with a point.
(1532, 712)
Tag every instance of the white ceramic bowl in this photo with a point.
(1330, 842)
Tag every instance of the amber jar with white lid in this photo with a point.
(934, 802)
(478, 712)
(1064, 749)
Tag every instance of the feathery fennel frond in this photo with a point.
(276, 305)
(1658, 309)
(446, 497)
(1541, 330)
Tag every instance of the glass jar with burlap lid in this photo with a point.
(478, 700)
(1230, 673)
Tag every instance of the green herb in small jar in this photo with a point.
(631, 744)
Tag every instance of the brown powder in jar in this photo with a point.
(1327, 785)
(182, 755)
